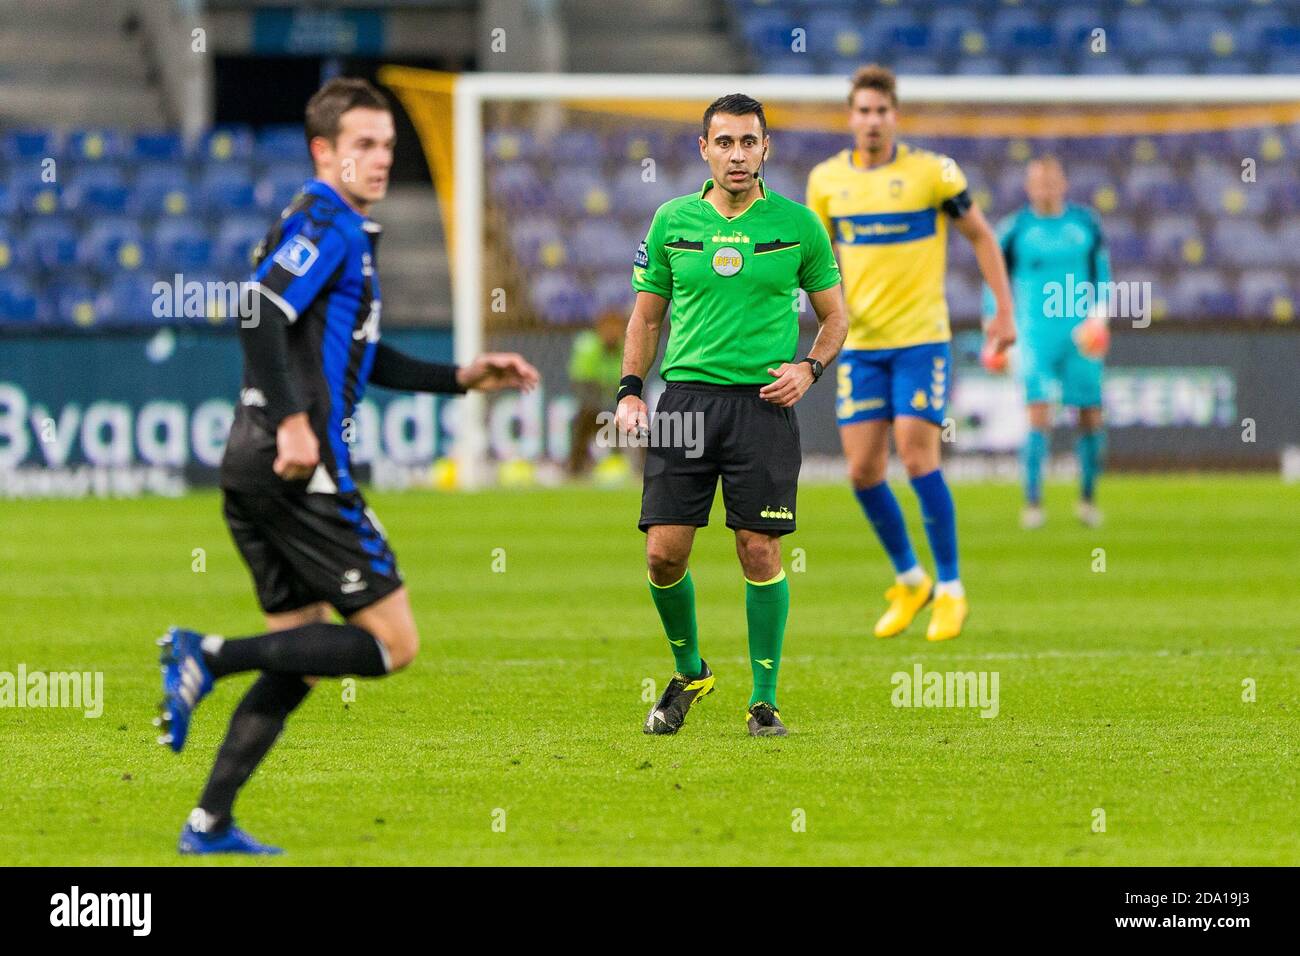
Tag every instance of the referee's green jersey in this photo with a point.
(734, 284)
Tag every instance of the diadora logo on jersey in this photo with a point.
(297, 255)
(739, 237)
(367, 264)
(642, 257)
(252, 396)
(895, 187)
(727, 261)
(781, 512)
(352, 581)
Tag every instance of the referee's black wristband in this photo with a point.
(630, 385)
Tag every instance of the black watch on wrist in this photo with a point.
(817, 367)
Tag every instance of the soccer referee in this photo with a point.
(733, 258)
(290, 500)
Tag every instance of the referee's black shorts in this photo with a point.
(700, 432)
(305, 548)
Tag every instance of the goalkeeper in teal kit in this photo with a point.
(1060, 272)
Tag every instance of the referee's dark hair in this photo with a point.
(734, 104)
(328, 104)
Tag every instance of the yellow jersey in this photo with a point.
(890, 231)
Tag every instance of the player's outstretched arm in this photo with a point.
(793, 380)
(489, 372)
(639, 349)
(1001, 329)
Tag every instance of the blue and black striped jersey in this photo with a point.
(317, 265)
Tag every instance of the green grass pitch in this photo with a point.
(516, 738)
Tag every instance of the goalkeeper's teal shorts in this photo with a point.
(1054, 370)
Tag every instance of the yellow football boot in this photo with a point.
(904, 602)
(946, 617)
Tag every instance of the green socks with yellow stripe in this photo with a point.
(767, 604)
(676, 606)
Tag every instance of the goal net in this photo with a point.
(548, 183)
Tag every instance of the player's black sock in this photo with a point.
(256, 724)
(311, 650)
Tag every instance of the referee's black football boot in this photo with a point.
(765, 721)
(668, 715)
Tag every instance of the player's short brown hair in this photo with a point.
(328, 104)
(875, 77)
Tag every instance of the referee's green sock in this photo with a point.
(676, 605)
(767, 603)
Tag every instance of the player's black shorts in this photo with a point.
(304, 548)
(750, 443)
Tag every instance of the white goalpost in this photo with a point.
(966, 97)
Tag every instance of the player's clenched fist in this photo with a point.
(632, 416)
(297, 451)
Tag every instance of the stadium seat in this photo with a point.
(30, 193)
(1176, 240)
(52, 243)
(516, 187)
(128, 300)
(1141, 32)
(76, 303)
(157, 146)
(278, 185)
(113, 245)
(282, 144)
(958, 32)
(635, 198)
(1074, 28)
(225, 144)
(1220, 190)
(1242, 242)
(18, 145)
(18, 299)
(1124, 241)
(227, 187)
(98, 189)
(1206, 33)
(161, 189)
(602, 244)
(580, 192)
(539, 242)
(561, 300)
(1265, 32)
(1203, 294)
(181, 244)
(613, 291)
(1267, 293)
(237, 237)
(511, 145)
(1157, 188)
(575, 148)
(96, 145)
(1020, 32)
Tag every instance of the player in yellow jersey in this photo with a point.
(886, 206)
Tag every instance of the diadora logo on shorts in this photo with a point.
(727, 261)
(781, 512)
(297, 255)
(352, 582)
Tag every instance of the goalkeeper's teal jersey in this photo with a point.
(1059, 269)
